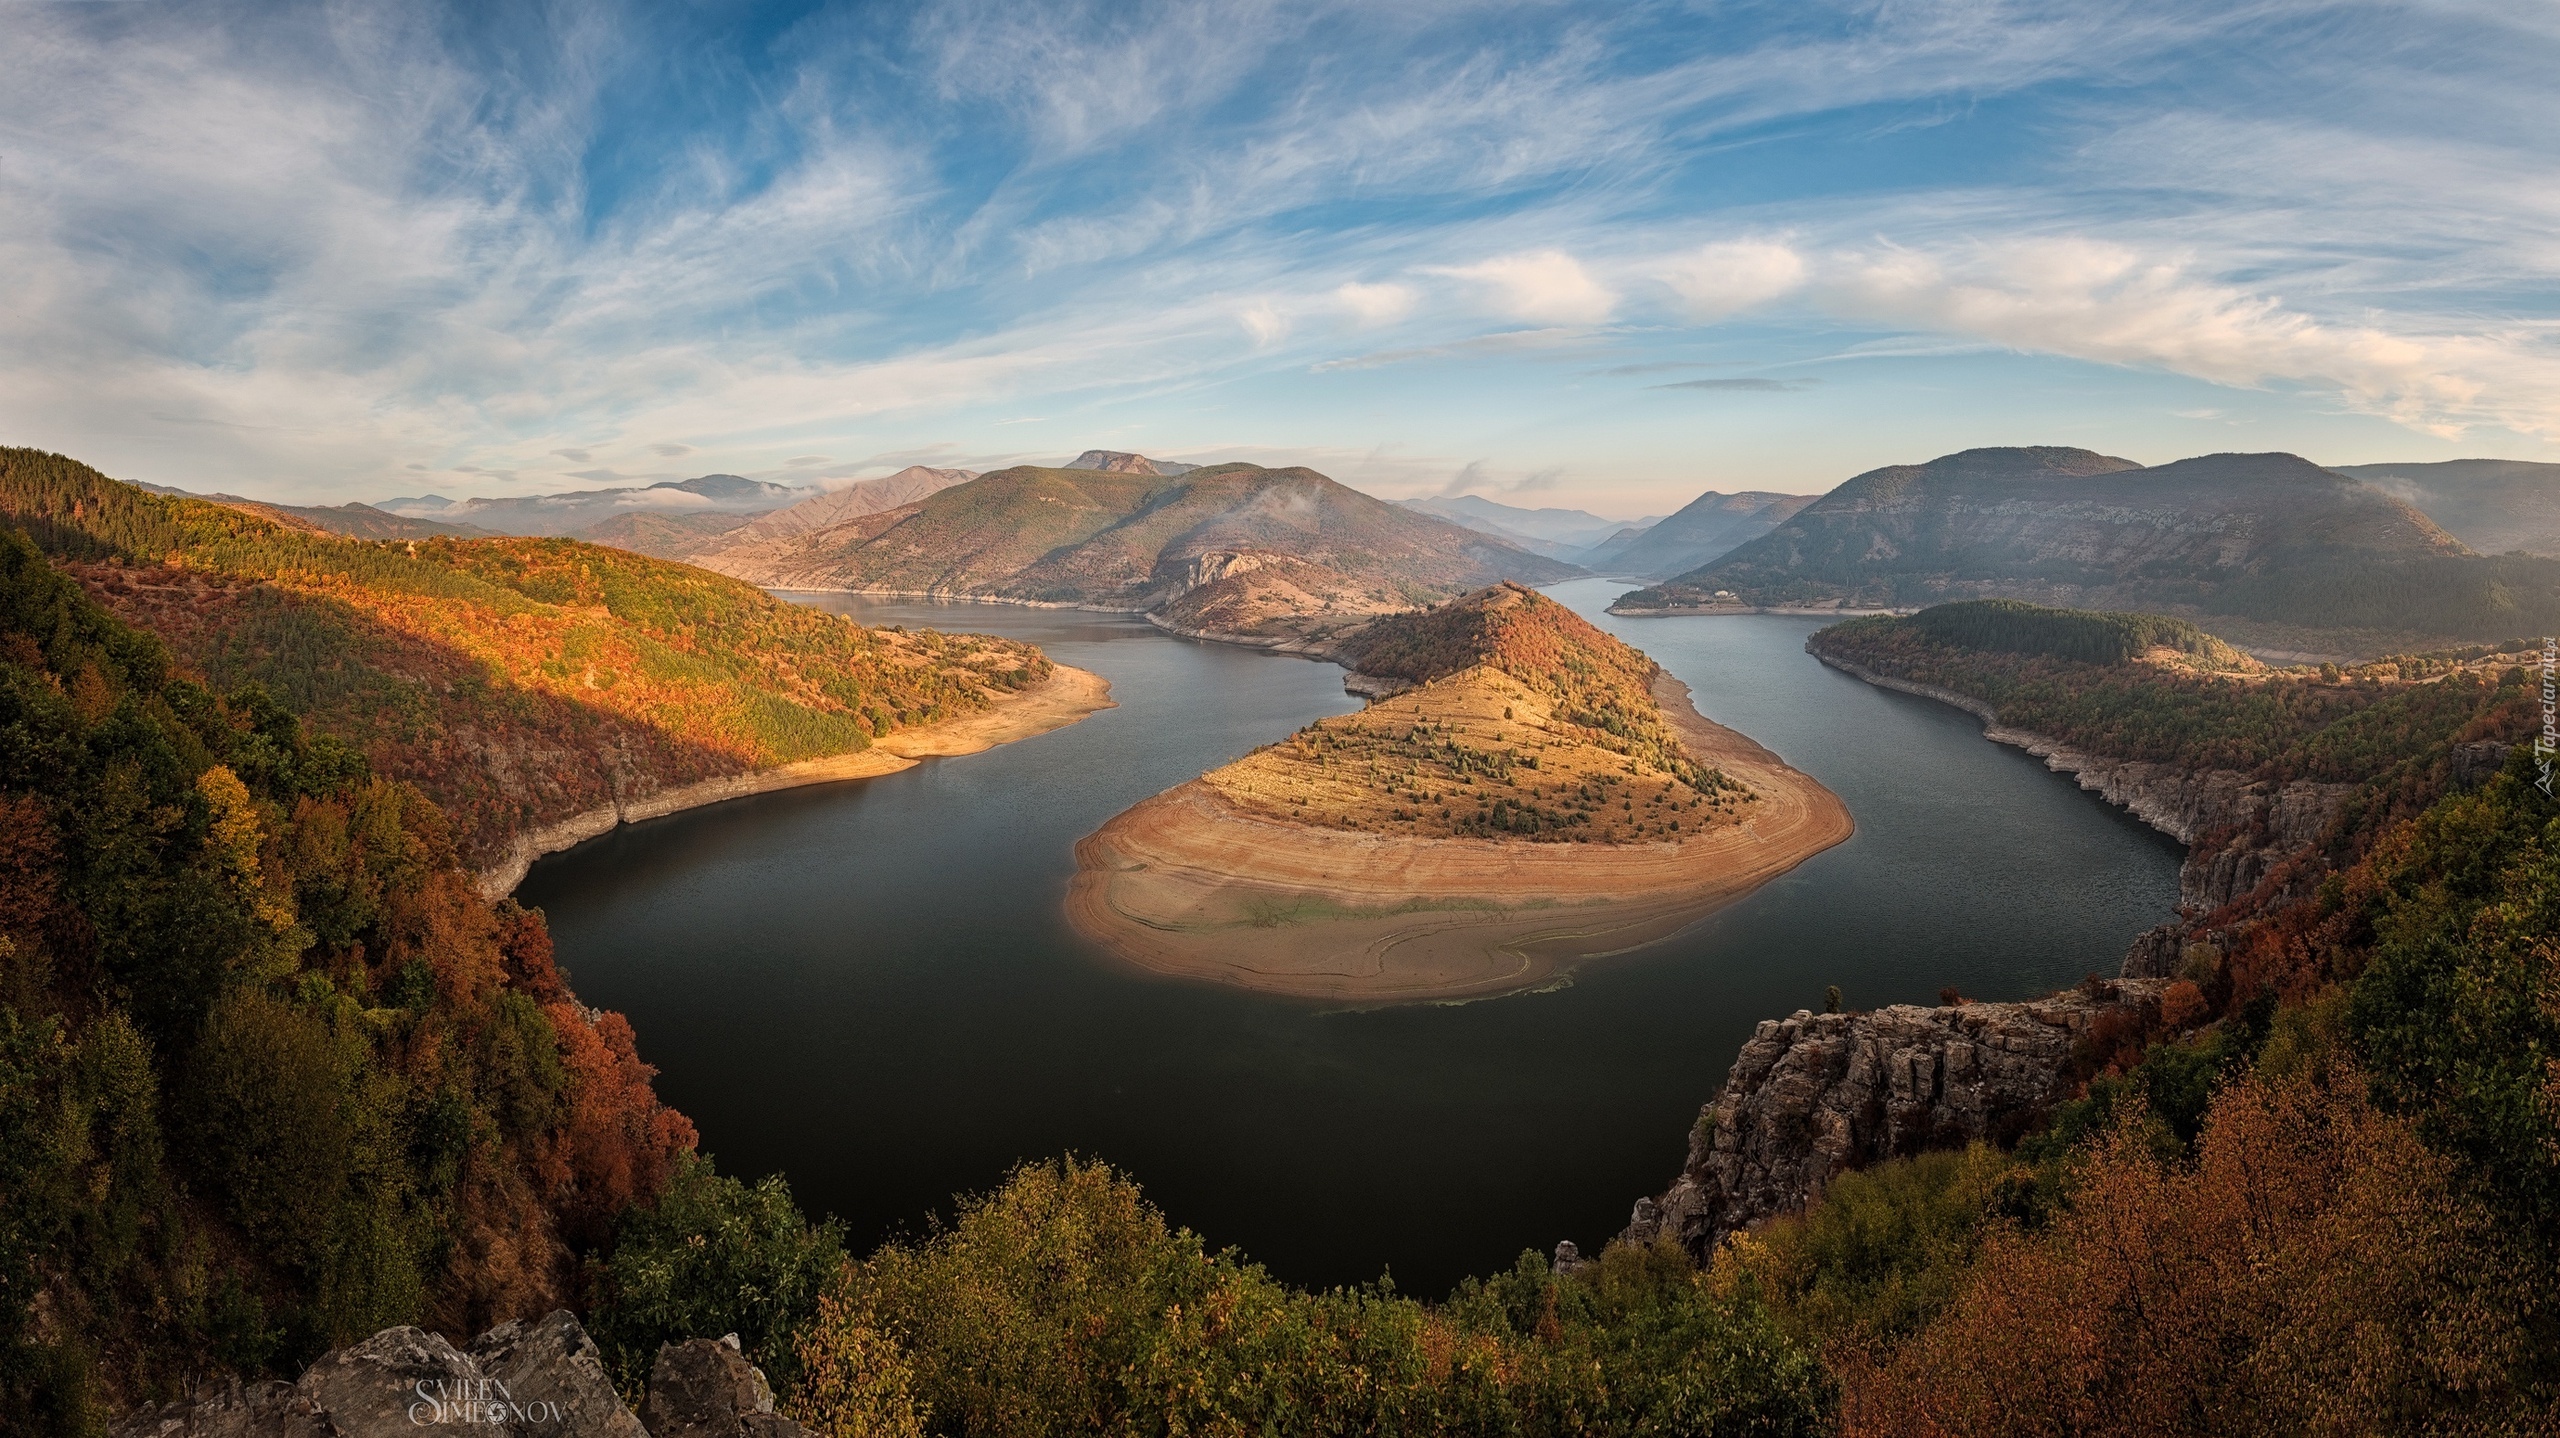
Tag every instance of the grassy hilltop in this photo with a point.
(1524, 721)
(516, 681)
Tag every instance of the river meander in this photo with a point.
(871, 988)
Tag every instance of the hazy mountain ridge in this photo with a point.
(356, 521)
(870, 496)
(1566, 534)
(2494, 505)
(1703, 530)
(1142, 541)
(2237, 533)
(575, 510)
(1120, 461)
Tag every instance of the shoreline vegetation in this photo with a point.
(1067, 696)
(1477, 834)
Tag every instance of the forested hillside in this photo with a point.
(515, 681)
(2138, 686)
(272, 1076)
(2315, 1189)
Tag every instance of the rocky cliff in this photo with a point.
(1814, 1095)
(527, 1379)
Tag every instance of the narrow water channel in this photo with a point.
(869, 987)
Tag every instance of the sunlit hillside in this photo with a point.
(516, 681)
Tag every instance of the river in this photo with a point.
(870, 988)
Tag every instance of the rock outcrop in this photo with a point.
(706, 1388)
(1814, 1095)
(540, 1378)
(551, 1367)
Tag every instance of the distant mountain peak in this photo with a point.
(1118, 461)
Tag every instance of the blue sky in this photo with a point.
(1603, 255)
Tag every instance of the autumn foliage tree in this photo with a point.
(272, 1075)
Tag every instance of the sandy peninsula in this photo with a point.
(1067, 695)
(1216, 880)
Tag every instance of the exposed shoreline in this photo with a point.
(938, 596)
(1067, 695)
(1187, 885)
(1715, 611)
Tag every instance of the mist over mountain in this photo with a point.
(569, 513)
(2493, 505)
(1566, 534)
(1703, 529)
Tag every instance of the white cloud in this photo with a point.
(1264, 322)
(1540, 286)
(2095, 300)
(1722, 279)
(1372, 305)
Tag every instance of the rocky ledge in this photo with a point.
(538, 1378)
(1814, 1095)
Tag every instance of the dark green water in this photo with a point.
(869, 987)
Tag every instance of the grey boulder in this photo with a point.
(706, 1388)
(553, 1377)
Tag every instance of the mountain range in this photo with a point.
(2269, 537)
(1234, 549)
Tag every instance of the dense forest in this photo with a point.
(2397, 716)
(272, 1076)
(514, 681)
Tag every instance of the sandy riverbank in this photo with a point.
(1188, 885)
(1067, 695)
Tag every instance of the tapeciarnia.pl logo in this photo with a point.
(473, 1402)
(2547, 743)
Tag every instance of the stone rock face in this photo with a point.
(1814, 1095)
(532, 1378)
(2476, 764)
(706, 1388)
(550, 1369)
(399, 1381)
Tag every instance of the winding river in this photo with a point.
(870, 987)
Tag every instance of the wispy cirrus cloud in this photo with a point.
(244, 249)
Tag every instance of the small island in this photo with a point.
(1524, 793)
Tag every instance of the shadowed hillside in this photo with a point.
(2493, 505)
(2266, 538)
(1703, 530)
(516, 681)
